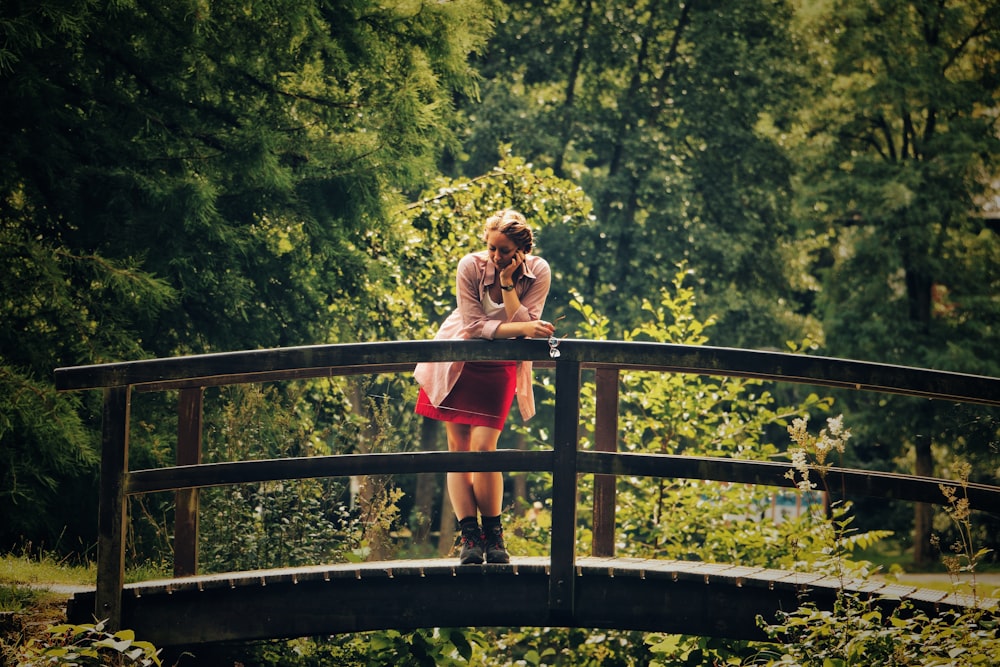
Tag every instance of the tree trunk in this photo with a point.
(423, 501)
(571, 83)
(923, 514)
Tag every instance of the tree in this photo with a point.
(654, 108)
(194, 177)
(898, 147)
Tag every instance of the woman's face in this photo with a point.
(501, 248)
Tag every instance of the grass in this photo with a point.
(46, 569)
(22, 575)
(25, 605)
(17, 598)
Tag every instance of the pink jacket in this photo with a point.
(469, 320)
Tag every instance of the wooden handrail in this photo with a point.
(336, 465)
(565, 461)
(344, 359)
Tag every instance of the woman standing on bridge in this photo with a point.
(501, 292)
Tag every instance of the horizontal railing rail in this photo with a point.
(564, 460)
(343, 359)
(336, 465)
(848, 482)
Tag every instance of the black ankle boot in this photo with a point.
(472, 546)
(496, 550)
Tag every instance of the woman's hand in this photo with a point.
(538, 329)
(507, 272)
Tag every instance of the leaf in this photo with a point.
(461, 643)
(668, 645)
(126, 634)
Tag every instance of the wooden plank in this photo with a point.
(315, 607)
(564, 489)
(705, 599)
(274, 376)
(189, 431)
(338, 465)
(297, 362)
(970, 601)
(982, 497)
(927, 595)
(291, 375)
(111, 508)
(660, 357)
(605, 440)
(788, 367)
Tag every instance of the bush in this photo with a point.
(80, 645)
(858, 632)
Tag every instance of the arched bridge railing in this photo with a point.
(190, 375)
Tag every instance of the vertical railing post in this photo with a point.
(111, 506)
(562, 572)
(189, 427)
(605, 440)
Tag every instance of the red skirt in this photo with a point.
(482, 396)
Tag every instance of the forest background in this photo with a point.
(816, 176)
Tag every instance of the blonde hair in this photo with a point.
(511, 224)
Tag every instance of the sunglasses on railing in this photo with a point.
(554, 342)
(554, 347)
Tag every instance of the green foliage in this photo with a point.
(897, 148)
(963, 557)
(551, 647)
(857, 632)
(193, 177)
(694, 651)
(89, 644)
(652, 108)
(47, 319)
(423, 648)
(445, 647)
(693, 519)
(275, 524)
(43, 442)
(16, 598)
(669, 413)
(448, 222)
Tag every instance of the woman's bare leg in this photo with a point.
(478, 493)
(463, 500)
(486, 486)
(469, 492)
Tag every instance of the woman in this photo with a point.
(501, 292)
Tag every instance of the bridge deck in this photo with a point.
(654, 595)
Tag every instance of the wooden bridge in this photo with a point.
(563, 589)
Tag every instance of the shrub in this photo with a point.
(90, 644)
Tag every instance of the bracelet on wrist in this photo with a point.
(507, 288)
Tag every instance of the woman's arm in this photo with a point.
(524, 311)
(475, 323)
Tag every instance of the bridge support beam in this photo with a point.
(605, 440)
(111, 509)
(189, 427)
(564, 489)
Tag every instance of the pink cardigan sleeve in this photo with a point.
(469, 320)
(532, 291)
